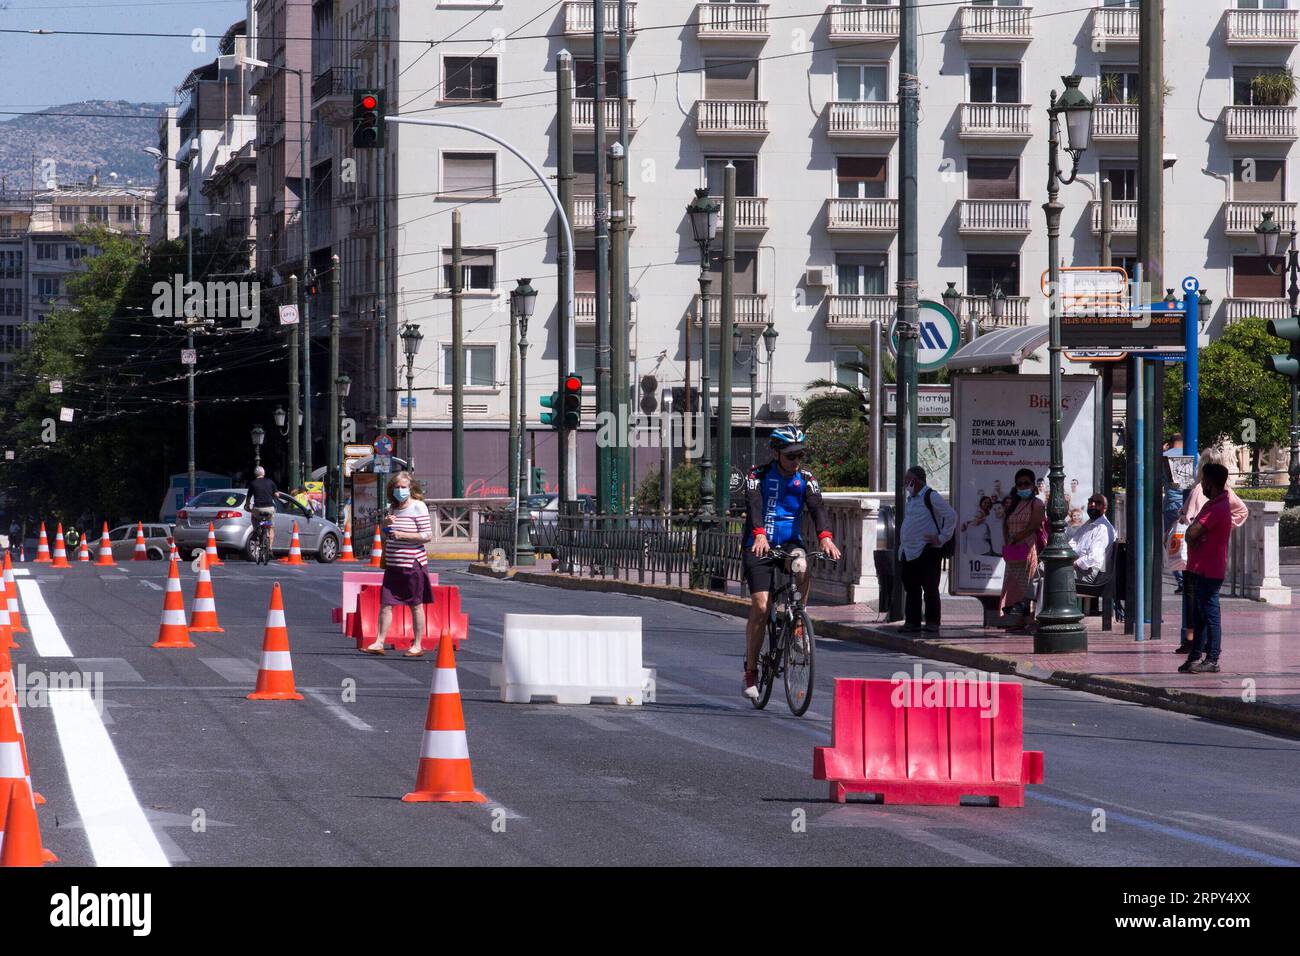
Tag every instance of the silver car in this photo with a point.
(224, 508)
(122, 541)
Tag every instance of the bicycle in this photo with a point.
(790, 639)
(263, 539)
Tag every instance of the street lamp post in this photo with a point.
(1060, 621)
(1267, 234)
(258, 435)
(703, 214)
(342, 385)
(411, 339)
(768, 335)
(523, 302)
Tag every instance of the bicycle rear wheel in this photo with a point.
(766, 673)
(799, 644)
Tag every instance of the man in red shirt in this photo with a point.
(1207, 566)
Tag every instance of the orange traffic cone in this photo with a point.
(377, 551)
(205, 606)
(22, 844)
(346, 556)
(83, 552)
(295, 549)
(15, 613)
(172, 632)
(43, 548)
(275, 676)
(214, 559)
(172, 555)
(444, 775)
(105, 550)
(9, 699)
(7, 641)
(60, 552)
(141, 552)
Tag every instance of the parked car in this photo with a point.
(122, 541)
(224, 508)
(546, 508)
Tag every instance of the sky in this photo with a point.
(40, 71)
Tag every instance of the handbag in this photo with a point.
(1176, 547)
(949, 547)
(1016, 552)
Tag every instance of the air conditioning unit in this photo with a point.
(817, 276)
(778, 405)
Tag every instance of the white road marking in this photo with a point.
(151, 584)
(21, 572)
(339, 711)
(234, 669)
(46, 635)
(114, 669)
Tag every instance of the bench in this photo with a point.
(928, 742)
(442, 616)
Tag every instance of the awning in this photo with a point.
(1003, 347)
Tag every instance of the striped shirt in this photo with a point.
(413, 518)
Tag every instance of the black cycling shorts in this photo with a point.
(758, 571)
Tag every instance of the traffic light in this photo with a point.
(367, 119)
(573, 401)
(536, 481)
(552, 403)
(1289, 364)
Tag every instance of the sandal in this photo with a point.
(420, 653)
(377, 651)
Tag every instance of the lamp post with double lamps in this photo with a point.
(411, 339)
(703, 213)
(1267, 234)
(768, 335)
(257, 435)
(1060, 620)
(523, 302)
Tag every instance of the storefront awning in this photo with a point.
(1001, 348)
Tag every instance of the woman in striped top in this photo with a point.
(407, 530)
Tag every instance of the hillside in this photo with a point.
(81, 144)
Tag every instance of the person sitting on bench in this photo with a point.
(1092, 542)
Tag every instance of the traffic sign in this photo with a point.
(357, 451)
(940, 336)
(411, 402)
(56, 386)
(932, 401)
(383, 445)
(382, 465)
(288, 315)
(1090, 290)
(189, 357)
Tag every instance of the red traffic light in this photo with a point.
(369, 102)
(573, 384)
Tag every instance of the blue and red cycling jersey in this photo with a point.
(774, 505)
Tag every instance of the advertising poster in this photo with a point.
(1003, 425)
(933, 452)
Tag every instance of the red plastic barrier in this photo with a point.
(928, 742)
(352, 584)
(442, 615)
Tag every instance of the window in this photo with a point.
(846, 376)
(746, 174)
(746, 280)
(995, 84)
(730, 80)
(125, 213)
(469, 78)
(47, 250)
(469, 174)
(97, 214)
(73, 252)
(1258, 180)
(584, 78)
(585, 357)
(1128, 263)
(1123, 183)
(860, 274)
(992, 178)
(584, 270)
(862, 82)
(47, 287)
(739, 368)
(861, 177)
(1258, 4)
(69, 214)
(995, 3)
(1251, 278)
(1132, 4)
(1119, 85)
(1243, 91)
(478, 269)
(984, 271)
(480, 366)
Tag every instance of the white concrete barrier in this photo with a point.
(573, 659)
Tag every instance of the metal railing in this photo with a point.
(862, 215)
(863, 22)
(336, 81)
(996, 23)
(1264, 27)
(860, 118)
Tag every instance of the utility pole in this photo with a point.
(877, 389)
(1107, 368)
(566, 452)
(335, 472)
(726, 344)
(295, 473)
(622, 277)
(189, 344)
(304, 220)
(381, 293)
(457, 362)
(516, 412)
(618, 326)
(905, 419)
(604, 457)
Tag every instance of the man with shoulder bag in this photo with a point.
(926, 538)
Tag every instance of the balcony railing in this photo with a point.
(580, 18)
(1123, 217)
(584, 212)
(751, 308)
(1262, 27)
(979, 307)
(999, 24)
(584, 308)
(863, 22)
(730, 116)
(851, 118)
(862, 215)
(1241, 218)
(751, 212)
(1239, 309)
(1259, 123)
(584, 115)
(999, 217)
(1115, 122)
(855, 311)
(994, 120)
(732, 20)
(1114, 25)
(336, 81)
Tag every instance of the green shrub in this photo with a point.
(1260, 494)
(1288, 531)
(686, 490)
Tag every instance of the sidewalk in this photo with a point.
(1259, 685)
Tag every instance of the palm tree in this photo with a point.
(840, 401)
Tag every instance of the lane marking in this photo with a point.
(46, 636)
(234, 669)
(363, 670)
(1241, 827)
(339, 711)
(21, 572)
(151, 584)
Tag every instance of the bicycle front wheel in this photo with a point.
(799, 644)
(767, 664)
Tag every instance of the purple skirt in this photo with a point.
(409, 586)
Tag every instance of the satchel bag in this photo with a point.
(949, 547)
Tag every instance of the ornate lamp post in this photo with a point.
(342, 386)
(257, 435)
(1267, 234)
(703, 213)
(998, 298)
(411, 339)
(523, 302)
(1060, 621)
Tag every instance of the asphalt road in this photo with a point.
(184, 769)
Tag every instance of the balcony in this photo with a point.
(730, 117)
(978, 307)
(996, 24)
(994, 217)
(331, 94)
(584, 212)
(584, 309)
(751, 213)
(859, 311)
(1244, 124)
(994, 120)
(584, 116)
(859, 216)
(1114, 25)
(857, 24)
(861, 120)
(1115, 122)
(1123, 216)
(580, 19)
(751, 308)
(1261, 27)
(363, 218)
(1239, 309)
(732, 21)
(1241, 218)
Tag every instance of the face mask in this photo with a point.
(401, 494)
(1025, 493)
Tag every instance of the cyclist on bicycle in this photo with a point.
(261, 502)
(775, 497)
